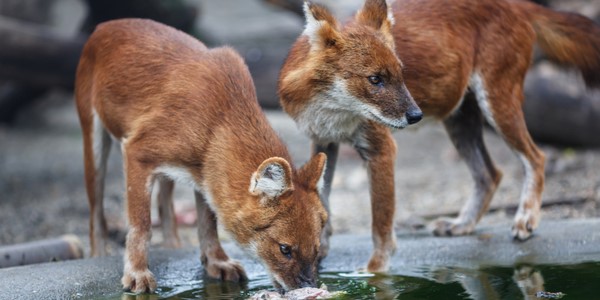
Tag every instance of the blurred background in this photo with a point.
(42, 193)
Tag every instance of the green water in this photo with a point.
(580, 281)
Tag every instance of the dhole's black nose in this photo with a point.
(414, 115)
(308, 283)
(307, 280)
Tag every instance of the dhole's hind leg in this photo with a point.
(465, 128)
(166, 213)
(516, 135)
(331, 150)
(506, 116)
(214, 259)
(96, 148)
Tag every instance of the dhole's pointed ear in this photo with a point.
(321, 27)
(378, 15)
(313, 171)
(272, 179)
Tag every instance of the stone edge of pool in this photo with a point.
(555, 242)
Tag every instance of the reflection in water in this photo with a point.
(214, 289)
(522, 282)
(529, 281)
(128, 296)
(479, 284)
(383, 284)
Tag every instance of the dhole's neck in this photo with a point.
(331, 116)
(232, 158)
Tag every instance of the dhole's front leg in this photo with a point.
(378, 149)
(331, 150)
(136, 275)
(216, 263)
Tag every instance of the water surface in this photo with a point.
(581, 281)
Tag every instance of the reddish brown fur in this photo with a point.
(438, 59)
(173, 102)
(461, 60)
(567, 38)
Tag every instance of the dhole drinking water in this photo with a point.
(186, 113)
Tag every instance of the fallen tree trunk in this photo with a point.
(33, 54)
(63, 248)
(295, 6)
(14, 96)
(558, 108)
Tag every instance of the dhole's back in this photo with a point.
(211, 89)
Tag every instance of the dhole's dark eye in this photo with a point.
(286, 250)
(375, 80)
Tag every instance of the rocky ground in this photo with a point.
(41, 172)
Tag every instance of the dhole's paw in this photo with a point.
(452, 227)
(228, 270)
(524, 225)
(379, 262)
(139, 282)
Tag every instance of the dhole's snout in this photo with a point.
(291, 281)
(307, 279)
(397, 110)
(414, 115)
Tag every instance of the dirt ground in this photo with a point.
(41, 171)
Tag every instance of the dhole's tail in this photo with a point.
(567, 38)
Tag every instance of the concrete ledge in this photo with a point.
(556, 242)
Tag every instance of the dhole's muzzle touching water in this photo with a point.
(463, 62)
(183, 112)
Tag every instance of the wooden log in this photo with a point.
(14, 96)
(63, 248)
(174, 13)
(36, 11)
(558, 108)
(295, 6)
(35, 55)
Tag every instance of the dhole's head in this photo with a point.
(286, 231)
(352, 68)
